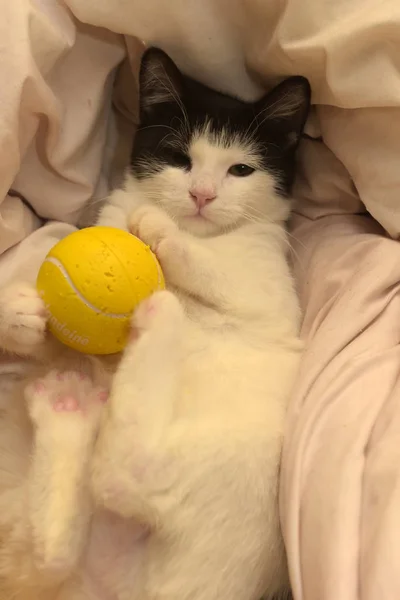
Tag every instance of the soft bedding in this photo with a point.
(63, 67)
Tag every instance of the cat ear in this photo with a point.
(285, 108)
(160, 81)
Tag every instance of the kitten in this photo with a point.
(169, 490)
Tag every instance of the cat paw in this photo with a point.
(23, 318)
(151, 225)
(173, 254)
(160, 310)
(65, 394)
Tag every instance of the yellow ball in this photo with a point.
(91, 282)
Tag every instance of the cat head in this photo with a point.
(210, 160)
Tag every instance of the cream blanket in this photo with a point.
(340, 495)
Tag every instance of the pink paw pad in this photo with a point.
(102, 396)
(66, 404)
(150, 308)
(39, 387)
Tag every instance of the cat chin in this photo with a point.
(200, 226)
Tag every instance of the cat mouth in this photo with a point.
(197, 217)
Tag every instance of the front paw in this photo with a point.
(23, 318)
(151, 225)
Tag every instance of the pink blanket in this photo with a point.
(58, 138)
(340, 494)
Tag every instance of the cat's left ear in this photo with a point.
(285, 109)
(160, 81)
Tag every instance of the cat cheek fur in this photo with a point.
(237, 199)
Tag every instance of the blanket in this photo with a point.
(67, 112)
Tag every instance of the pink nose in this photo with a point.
(202, 198)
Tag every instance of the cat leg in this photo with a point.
(204, 494)
(140, 409)
(65, 409)
(23, 319)
(187, 262)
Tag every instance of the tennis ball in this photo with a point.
(91, 282)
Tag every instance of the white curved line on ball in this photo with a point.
(57, 263)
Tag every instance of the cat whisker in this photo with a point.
(95, 201)
(250, 127)
(161, 126)
(296, 239)
(171, 90)
(296, 255)
(262, 218)
(160, 143)
(256, 215)
(250, 218)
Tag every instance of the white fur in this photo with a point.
(238, 199)
(181, 503)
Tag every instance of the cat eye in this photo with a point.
(180, 160)
(241, 170)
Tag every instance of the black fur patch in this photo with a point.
(173, 107)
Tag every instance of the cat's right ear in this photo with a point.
(160, 81)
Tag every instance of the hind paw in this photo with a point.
(162, 309)
(63, 394)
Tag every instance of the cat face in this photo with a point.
(210, 160)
